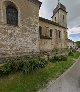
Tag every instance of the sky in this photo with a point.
(73, 17)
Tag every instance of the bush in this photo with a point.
(73, 50)
(70, 53)
(5, 69)
(58, 58)
(24, 64)
(17, 66)
(41, 62)
(10, 66)
(33, 63)
(26, 68)
(1, 72)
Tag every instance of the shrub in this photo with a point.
(73, 50)
(10, 67)
(26, 68)
(41, 62)
(58, 58)
(1, 72)
(24, 64)
(5, 69)
(63, 58)
(70, 53)
(17, 66)
(33, 63)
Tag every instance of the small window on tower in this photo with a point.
(63, 17)
(55, 18)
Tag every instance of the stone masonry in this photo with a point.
(26, 38)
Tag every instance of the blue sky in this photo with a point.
(75, 36)
(73, 8)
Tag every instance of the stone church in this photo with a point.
(23, 31)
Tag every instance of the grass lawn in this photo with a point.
(18, 82)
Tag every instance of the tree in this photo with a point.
(78, 43)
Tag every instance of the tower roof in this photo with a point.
(59, 6)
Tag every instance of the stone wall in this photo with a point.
(54, 42)
(45, 45)
(25, 37)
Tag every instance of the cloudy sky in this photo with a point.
(73, 9)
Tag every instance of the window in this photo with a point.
(63, 17)
(55, 18)
(73, 43)
(59, 34)
(56, 32)
(50, 32)
(12, 15)
(40, 30)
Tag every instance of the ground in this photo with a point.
(68, 82)
(17, 82)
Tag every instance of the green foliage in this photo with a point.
(9, 67)
(70, 53)
(73, 50)
(78, 43)
(58, 58)
(76, 55)
(17, 82)
(34, 63)
(24, 64)
(29, 64)
(5, 69)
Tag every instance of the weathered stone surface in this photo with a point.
(25, 37)
(55, 41)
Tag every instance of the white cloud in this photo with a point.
(74, 38)
(74, 33)
(74, 30)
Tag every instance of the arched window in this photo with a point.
(12, 15)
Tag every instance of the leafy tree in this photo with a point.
(78, 43)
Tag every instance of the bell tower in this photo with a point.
(60, 15)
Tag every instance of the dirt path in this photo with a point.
(68, 82)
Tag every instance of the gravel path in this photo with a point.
(68, 82)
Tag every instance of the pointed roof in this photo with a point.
(59, 6)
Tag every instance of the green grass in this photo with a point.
(76, 55)
(18, 82)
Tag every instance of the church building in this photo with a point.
(22, 31)
(53, 33)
